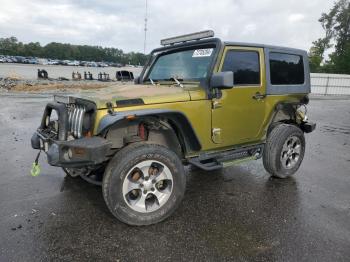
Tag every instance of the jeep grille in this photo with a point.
(75, 119)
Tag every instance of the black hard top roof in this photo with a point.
(294, 50)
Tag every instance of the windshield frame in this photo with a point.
(207, 43)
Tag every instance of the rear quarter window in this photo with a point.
(286, 69)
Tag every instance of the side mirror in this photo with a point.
(222, 80)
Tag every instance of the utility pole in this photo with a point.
(144, 44)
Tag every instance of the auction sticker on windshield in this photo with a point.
(202, 52)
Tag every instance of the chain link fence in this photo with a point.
(330, 84)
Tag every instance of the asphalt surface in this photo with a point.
(239, 213)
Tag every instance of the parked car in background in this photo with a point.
(102, 64)
(73, 63)
(91, 64)
(19, 59)
(52, 62)
(49, 61)
(112, 64)
(64, 62)
(33, 61)
(42, 61)
(8, 59)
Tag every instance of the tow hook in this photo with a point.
(35, 171)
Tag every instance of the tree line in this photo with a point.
(11, 46)
(335, 42)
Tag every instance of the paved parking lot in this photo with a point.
(239, 213)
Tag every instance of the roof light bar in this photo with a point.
(188, 37)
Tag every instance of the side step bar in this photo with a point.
(214, 161)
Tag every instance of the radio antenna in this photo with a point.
(145, 40)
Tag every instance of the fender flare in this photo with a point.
(177, 120)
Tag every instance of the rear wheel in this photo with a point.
(284, 150)
(144, 184)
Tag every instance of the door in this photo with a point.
(238, 116)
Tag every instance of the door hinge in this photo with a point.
(216, 104)
(216, 135)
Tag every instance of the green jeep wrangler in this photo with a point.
(198, 101)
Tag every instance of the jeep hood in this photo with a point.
(132, 94)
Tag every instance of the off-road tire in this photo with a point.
(117, 170)
(273, 150)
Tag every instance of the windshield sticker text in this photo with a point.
(202, 52)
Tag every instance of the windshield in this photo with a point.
(190, 64)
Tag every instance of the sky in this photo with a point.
(120, 24)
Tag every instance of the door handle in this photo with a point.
(258, 96)
(216, 104)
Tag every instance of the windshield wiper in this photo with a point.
(177, 81)
(151, 80)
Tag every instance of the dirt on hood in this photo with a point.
(102, 90)
(127, 91)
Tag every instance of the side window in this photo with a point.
(286, 69)
(245, 66)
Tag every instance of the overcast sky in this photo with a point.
(120, 23)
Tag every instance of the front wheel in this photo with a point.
(144, 184)
(284, 150)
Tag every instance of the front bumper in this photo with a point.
(88, 151)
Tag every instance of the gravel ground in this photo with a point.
(23, 78)
(39, 86)
(239, 213)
